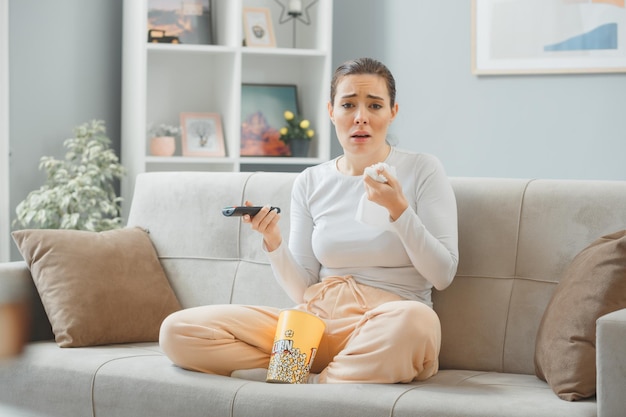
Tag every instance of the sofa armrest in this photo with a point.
(17, 284)
(611, 364)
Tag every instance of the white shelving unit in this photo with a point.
(160, 81)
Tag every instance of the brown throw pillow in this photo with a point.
(594, 284)
(98, 288)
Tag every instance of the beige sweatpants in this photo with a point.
(372, 336)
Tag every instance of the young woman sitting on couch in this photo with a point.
(369, 278)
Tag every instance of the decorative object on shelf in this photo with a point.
(258, 29)
(180, 21)
(293, 11)
(163, 140)
(162, 145)
(297, 134)
(79, 192)
(262, 110)
(202, 134)
(159, 36)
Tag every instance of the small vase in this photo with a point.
(300, 147)
(162, 146)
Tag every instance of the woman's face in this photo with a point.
(361, 113)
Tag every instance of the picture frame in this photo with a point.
(184, 22)
(258, 28)
(202, 134)
(548, 36)
(262, 115)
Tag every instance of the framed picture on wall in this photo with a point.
(263, 108)
(258, 29)
(202, 134)
(548, 36)
(180, 21)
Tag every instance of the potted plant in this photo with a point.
(163, 139)
(297, 134)
(79, 192)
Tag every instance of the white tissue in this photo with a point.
(372, 171)
(369, 212)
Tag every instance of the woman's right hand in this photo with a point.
(266, 223)
(388, 194)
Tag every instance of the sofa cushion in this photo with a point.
(594, 284)
(98, 288)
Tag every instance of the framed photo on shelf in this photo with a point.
(202, 134)
(262, 115)
(258, 29)
(180, 21)
(548, 36)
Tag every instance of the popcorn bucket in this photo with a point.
(297, 338)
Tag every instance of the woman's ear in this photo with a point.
(394, 112)
(331, 113)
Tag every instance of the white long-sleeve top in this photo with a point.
(418, 251)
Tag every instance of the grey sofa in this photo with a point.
(515, 238)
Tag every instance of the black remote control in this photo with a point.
(241, 210)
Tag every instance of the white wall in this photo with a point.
(534, 126)
(4, 131)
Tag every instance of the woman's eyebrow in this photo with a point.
(372, 96)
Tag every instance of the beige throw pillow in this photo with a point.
(594, 284)
(98, 288)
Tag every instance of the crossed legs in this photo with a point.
(371, 336)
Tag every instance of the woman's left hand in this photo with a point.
(387, 194)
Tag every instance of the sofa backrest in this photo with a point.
(515, 239)
(210, 258)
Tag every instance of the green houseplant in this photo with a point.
(79, 191)
(164, 129)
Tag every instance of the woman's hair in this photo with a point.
(363, 66)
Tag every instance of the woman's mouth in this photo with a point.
(360, 136)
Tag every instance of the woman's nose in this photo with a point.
(360, 118)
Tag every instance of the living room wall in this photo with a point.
(525, 126)
(65, 69)
(5, 248)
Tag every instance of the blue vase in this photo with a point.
(300, 147)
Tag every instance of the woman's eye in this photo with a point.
(347, 105)
(377, 106)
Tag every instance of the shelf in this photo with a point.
(184, 160)
(187, 160)
(185, 49)
(217, 49)
(284, 52)
(279, 160)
